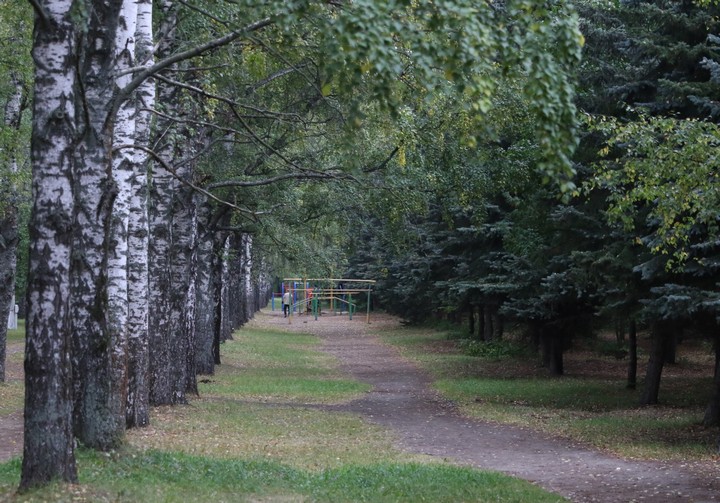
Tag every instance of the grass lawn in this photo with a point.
(589, 404)
(257, 433)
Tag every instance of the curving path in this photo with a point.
(401, 399)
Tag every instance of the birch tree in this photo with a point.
(48, 449)
(137, 411)
(205, 310)
(172, 238)
(122, 173)
(97, 393)
(9, 217)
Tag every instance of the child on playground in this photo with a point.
(286, 302)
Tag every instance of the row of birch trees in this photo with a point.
(131, 287)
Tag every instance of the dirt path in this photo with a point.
(401, 399)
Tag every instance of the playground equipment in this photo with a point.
(308, 294)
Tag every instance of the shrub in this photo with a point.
(492, 350)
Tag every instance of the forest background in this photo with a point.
(545, 166)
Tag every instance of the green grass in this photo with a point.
(597, 411)
(18, 334)
(561, 394)
(161, 476)
(261, 431)
(12, 393)
(270, 365)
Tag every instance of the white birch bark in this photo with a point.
(162, 381)
(249, 303)
(97, 422)
(205, 297)
(188, 309)
(137, 409)
(48, 450)
(226, 291)
(122, 174)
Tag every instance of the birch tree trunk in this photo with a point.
(9, 227)
(98, 396)
(205, 297)
(219, 268)
(122, 176)
(48, 450)
(231, 305)
(184, 291)
(249, 287)
(159, 218)
(167, 378)
(137, 408)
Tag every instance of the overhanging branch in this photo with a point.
(200, 190)
(331, 175)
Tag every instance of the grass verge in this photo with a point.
(174, 477)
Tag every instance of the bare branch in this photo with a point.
(264, 113)
(382, 164)
(330, 175)
(178, 120)
(200, 190)
(274, 76)
(203, 12)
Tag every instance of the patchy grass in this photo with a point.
(12, 396)
(307, 439)
(590, 404)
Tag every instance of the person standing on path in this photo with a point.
(286, 302)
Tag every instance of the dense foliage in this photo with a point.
(487, 243)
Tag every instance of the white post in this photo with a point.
(12, 317)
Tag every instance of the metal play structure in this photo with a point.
(308, 295)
